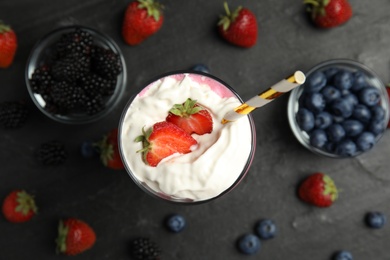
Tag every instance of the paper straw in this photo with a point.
(283, 86)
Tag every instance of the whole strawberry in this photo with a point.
(239, 27)
(19, 206)
(329, 13)
(142, 19)
(74, 237)
(109, 151)
(8, 45)
(319, 190)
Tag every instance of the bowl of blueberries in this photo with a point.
(341, 111)
(75, 74)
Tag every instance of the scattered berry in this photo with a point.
(342, 255)
(265, 229)
(248, 244)
(329, 13)
(201, 67)
(375, 219)
(191, 117)
(13, 114)
(142, 19)
(144, 249)
(74, 237)
(318, 189)
(88, 149)
(19, 206)
(155, 142)
(109, 150)
(175, 223)
(8, 45)
(52, 153)
(239, 27)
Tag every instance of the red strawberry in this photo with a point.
(239, 27)
(163, 140)
(318, 189)
(191, 117)
(142, 19)
(74, 237)
(329, 13)
(8, 45)
(19, 206)
(109, 151)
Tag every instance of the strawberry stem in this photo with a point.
(311, 2)
(226, 6)
(4, 28)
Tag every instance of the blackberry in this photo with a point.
(78, 41)
(61, 95)
(41, 80)
(105, 62)
(94, 104)
(13, 114)
(70, 68)
(52, 153)
(144, 249)
(94, 84)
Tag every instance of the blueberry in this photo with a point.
(365, 141)
(330, 147)
(315, 102)
(359, 81)
(330, 72)
(315, 82)
(265, 229)
(341, 107)
(362, 113)
(201, 68)
(369, 96)
(323, 120)
(338, 119)
(375, 219)
(351, 98)
(352, 127)
(305, 119)
(335, 132)
(346, 148)
(330, 93)
(249, 244)
(378, 113)
(343, 80)
(318, 138)
(377, 127)
(342, 255)
(88, 149)
(175, 223)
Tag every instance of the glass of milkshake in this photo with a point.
(214, 166)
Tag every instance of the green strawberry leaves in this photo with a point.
(186, 109)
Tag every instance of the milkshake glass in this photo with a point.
(220, 160)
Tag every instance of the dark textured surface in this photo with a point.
(120, 211)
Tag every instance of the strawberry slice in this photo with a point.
(191, 117)
(163, 140)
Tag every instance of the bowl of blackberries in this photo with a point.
(341, 111)
(75, 75)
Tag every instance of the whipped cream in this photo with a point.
(219, 158)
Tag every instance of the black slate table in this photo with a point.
(119, 211)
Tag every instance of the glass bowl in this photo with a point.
(43, 53)
(333, 148)
(155, 180)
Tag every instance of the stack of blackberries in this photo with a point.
(78, 77)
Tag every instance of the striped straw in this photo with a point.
(283, 86)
